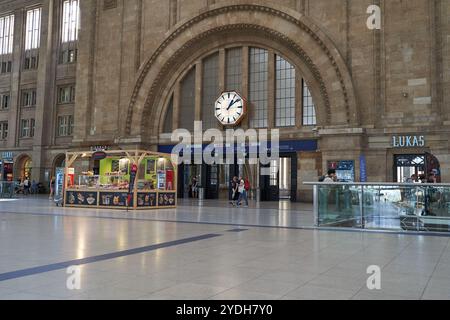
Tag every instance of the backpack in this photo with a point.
(322, 178)
(247, 185)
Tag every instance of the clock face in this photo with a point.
(230, 108)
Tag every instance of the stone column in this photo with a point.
(198, 90)
(14, 113)
(222, 70)
(86, 51)
(245, 85)
(45, 90)
(176, 106)
(298, 100)
(271, 98)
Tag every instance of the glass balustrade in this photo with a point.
(6, 189)
(407, 207)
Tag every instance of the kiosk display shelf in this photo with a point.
(123, 179)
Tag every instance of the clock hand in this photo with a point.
(233, 103)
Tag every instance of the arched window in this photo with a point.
(285, 93)
(258, 93)
(277, 94)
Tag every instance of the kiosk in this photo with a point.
(120, 179)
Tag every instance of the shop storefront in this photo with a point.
(7, 167)
(413, 157)
(120, 179)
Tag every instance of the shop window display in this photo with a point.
(132, 179)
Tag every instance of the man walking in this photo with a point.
(243, 185)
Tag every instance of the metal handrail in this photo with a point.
(384, 184)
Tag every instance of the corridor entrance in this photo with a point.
(281, 184)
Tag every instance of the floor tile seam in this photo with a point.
(103, 257)
(309, 282)
(431, 276)
(305, 228)
(93, 216)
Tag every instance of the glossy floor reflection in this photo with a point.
(208, 261)
(272, 214)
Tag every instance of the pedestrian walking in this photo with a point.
(26, 186)
(234, 191)
(243, 189)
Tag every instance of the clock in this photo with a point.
(230, 108)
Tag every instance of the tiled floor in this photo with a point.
(256, 264)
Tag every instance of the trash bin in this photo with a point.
(201, 193)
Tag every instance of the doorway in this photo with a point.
(281, 184)
(186, 175)
(408, 164)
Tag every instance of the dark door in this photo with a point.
(294, 170)
(269, 182)
(212, 182)
(181, 182)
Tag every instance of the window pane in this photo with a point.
(210, 90)
(259, 73)
(234, 70)
(285, 93)
(6, 34)
(70, 21)
(33, 29)
(309, 110)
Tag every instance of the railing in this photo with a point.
(383, 206)
(6, 189)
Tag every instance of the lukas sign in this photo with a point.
(408, 141)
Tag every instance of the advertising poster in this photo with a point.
(169, 179)
(345, 170)
(114, 199)
(161, 180)
(151, 166)
(81, 198)
(59, 183)
(166, 199)
(363, 168)
(146, 200)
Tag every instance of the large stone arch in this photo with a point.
(315, 53)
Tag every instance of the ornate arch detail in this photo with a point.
(274, 34)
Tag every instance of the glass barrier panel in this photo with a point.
(339, 206)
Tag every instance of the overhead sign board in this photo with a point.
(408, 141)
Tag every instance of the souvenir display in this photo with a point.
(110, 181)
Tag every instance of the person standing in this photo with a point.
(52, 189)
(242, 192)
(34, 187)
(234, 191)
(194, 188)
(26, 186)
(331, 176)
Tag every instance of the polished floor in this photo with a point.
(208, 252)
